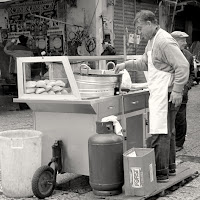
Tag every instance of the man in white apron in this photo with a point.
(168, 72)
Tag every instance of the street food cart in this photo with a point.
(63, 111)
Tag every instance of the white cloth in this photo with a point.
(116, 124)
(126, 80)
(158, 82)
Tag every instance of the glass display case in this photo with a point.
(46, 78)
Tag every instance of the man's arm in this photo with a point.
(133, 65)
(8, 48)
(178, 61)
(190, 59)
(137, 65)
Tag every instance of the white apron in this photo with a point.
(158, 82)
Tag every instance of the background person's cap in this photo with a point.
(179, 34)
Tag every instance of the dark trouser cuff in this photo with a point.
(172, 166)
(162, 172)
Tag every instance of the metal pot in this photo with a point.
(101, 82)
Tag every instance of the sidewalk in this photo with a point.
(78, 189)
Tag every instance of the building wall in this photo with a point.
(104, 23)
(96, 18)
(81, 34)
(124, 15)
(80, 20)
(4, 59)
(3, 18)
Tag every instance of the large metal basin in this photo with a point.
(97, 82)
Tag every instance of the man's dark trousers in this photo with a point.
(181, 125)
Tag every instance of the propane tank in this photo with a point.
(106, 160)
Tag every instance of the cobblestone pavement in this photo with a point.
(10, 120)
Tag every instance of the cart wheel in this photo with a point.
(43, 182)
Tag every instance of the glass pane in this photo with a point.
(45, 79)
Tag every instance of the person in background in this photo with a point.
(168, 72)
(181, 121)
(4, 63)
(18, 48)
(108, 49)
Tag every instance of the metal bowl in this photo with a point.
(97, 80)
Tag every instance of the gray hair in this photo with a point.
(144, 16)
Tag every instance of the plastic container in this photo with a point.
(106, 161)
(20, 157)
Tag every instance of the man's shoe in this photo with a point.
(179, 148)
(172, 172)
(162, 179)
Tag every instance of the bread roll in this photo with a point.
(39, 90)
(40, 84)
(60, 83)
(48, 87)
(64, 91)
(30, 90)
(51, 83)
(44, 93)
(59, 93)
(31, 84)
(56, 88)
(46, 81)
(51, 92)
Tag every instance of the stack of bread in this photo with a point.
(46, 87)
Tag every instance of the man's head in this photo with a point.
(180, 37)
(105, 43)
(145, 23)
(23, 39)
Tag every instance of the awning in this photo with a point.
(2, 1)
(6, 3)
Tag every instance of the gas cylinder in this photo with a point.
(105, 151)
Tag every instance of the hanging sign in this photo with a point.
(55, 41)
(21, 18)
(133, 38)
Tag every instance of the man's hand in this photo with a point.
(17, 41)
(176, 98)
(13, 41)
(119, 67)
